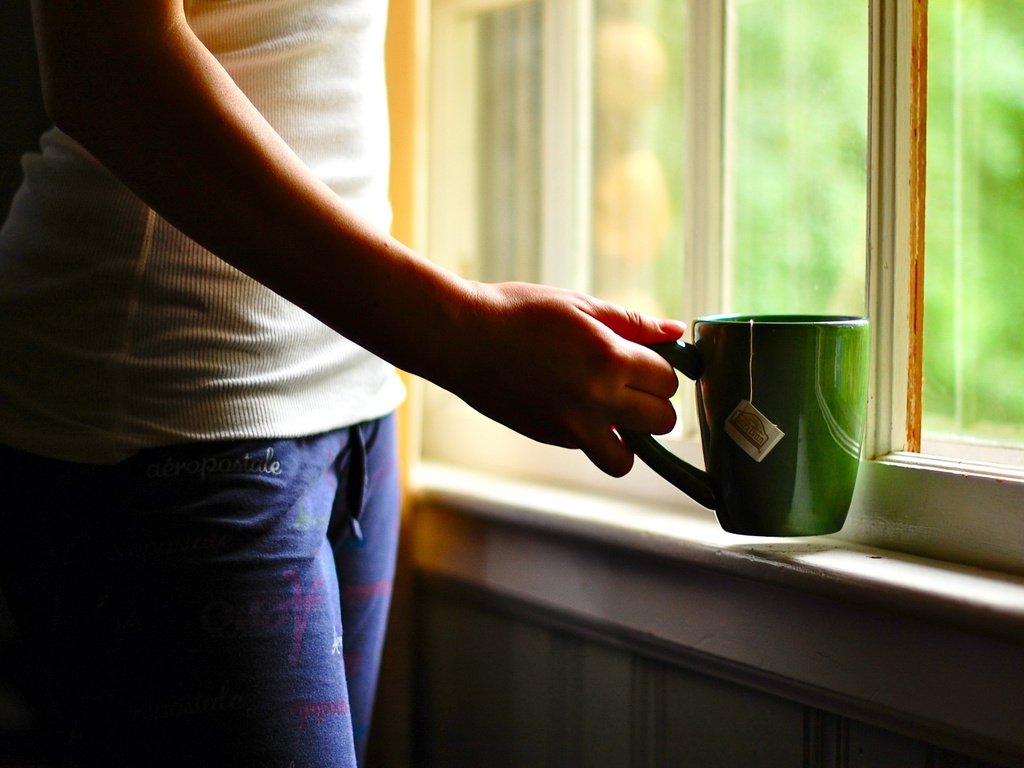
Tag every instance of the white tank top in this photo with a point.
(118, 333)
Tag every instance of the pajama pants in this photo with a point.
(212, 604)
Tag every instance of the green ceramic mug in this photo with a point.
(781, 402)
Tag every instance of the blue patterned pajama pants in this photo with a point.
(217, 604)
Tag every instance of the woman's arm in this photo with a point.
(130, 81)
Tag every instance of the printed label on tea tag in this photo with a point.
(752, 431)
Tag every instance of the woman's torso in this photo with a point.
(117, 332)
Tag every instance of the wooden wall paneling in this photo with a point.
(605, 732)
(499, 689)
(865, 746)
(533, 733)
(463, 676)
(715, 724)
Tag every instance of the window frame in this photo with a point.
(959, 511)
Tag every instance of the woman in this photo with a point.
(200, 311)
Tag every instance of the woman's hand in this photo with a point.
(563, 368)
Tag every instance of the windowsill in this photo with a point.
(980, 600)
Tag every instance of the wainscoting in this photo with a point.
(543, 638)
(502, 684)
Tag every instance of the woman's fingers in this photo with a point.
(641, 412)
(636, 412)
(608, 452)
(651, 374)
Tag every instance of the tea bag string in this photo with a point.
(750, 363)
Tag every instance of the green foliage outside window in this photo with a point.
(974, 268)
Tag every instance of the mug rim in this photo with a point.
(783, 319)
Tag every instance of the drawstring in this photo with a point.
(355, 481)
(358, 478)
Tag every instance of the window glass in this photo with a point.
(508, 99)
(638, 59)
(797, 147)
(974, 270)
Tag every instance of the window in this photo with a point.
(700, 156)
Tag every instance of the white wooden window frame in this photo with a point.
(966, 512)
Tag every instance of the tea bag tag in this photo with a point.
(751, 430)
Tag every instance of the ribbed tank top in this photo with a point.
(118, 333)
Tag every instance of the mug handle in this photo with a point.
(694, 482)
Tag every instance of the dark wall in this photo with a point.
(22, 117)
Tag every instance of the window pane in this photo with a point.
(508, 88)
(639, 48)
(798, 156)
(974, 271)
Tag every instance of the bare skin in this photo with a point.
(130, 81)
